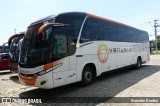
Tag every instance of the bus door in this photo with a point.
(61, 52)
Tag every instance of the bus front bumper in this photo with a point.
(45, 81)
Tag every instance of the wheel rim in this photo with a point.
(88, 76)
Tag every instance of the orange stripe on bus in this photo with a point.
(41, 29)
(44, 26)
(105, 19)
(47, 66)
(50, 65)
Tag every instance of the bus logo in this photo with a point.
(103, 53)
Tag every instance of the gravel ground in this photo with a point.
(144, 82)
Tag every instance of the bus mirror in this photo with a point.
(40, 30)
(44, 27)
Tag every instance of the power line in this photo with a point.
(151, 25)
(142, 24)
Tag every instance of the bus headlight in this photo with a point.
(40, 73)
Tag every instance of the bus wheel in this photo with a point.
(87, 76)
(139, 63)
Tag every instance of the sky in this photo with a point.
(18, 14)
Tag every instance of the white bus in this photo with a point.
(73, 47)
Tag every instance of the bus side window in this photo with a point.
(5, 57)
(91, 31)
(131, 35)
(122, 34)
(108, 32)
(59, 44)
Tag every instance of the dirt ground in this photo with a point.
(144, 82)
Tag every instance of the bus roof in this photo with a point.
(16, 35)
(108, 20)
(53, 17)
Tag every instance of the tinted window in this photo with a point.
(74, 20)
(122, 34)
(139, 36)
(91, 31)
(132, 35)
(31, 37)
(145, 36)
(60, 43)
(14, 44)
(5, 57)
(42, 40)
(4, 49)
(109, 32)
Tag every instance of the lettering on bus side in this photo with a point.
(120, 50)
(103, 51)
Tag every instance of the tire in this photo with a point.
(139, 63)
(87, 76)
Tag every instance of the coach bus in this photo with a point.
(78, 47)
(14, 43)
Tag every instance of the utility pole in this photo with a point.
(156, 25)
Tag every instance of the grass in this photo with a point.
(155, 53)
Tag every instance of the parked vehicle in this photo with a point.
(73, 47)
(4, 48)
(4, 61)
(14, 44)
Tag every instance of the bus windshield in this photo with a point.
(15, 49)
(14, 46)
(33, 48)
(50, 44)
(39, 48)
